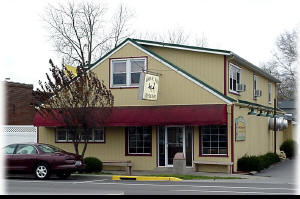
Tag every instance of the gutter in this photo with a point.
(251, 66)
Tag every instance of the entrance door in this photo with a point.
(175, 143)
(173, 139)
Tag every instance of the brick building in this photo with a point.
(19, 113)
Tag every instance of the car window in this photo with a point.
(9, 149)
(25, 149)
(49, 148)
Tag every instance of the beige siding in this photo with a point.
(198, 157)
(205, 66)
(247, 79)
(113, 148)
(259, 140)
(174, 89)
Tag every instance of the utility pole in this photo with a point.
(275, 126)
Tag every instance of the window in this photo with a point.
(270, 93)
(254, 85)
(139, 140)
(214, 140)
(234, 77)
(25, 149)
(49, 149)
(61, 135)
(126, 72)
(94, 135)
(9, 149)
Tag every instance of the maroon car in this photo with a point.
(41, 159)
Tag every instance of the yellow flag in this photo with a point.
(72, 69)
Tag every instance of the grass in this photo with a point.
(193, 177)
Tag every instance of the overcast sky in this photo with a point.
(246, 27)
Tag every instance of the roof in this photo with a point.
(236, 57)
(172, 66)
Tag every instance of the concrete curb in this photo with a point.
(145, 178)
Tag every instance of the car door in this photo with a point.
(25, 157)
(8, 156)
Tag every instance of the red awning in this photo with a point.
(158, 115)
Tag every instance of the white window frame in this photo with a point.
(128, 72)
(102, 130)
(234, 69)
(81, 140)
(254, 86)
(56, 136)
(218, 134)
(270, 92)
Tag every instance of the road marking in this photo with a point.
(199, 186)
(91, 181)
(239, 192)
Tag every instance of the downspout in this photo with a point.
(232, 139)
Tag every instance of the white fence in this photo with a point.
(17, 133)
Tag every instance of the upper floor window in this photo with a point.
(270, 93)
(126, 72)
(234, 78)
(254, 86)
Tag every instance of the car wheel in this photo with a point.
(63, 175)
(42, 171)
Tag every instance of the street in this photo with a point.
(107, 186)
(279, 179)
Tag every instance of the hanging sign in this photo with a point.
(148, 89)
(240, 129)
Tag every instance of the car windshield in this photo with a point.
(49, 149)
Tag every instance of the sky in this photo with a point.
(247, 27)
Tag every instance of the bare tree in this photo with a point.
(120, 29)
(80, 32)
(283, 65)
(78, 103)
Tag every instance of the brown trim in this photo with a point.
(232, 139)
(225, 76)
(109, 65)
(81, 142)
(136, 154)
(156, 141)
(37, 135)
(212, 155)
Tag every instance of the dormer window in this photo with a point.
(234, 78)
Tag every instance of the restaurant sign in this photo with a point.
(148, 88)
(240, 129)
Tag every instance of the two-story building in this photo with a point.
(211, 104)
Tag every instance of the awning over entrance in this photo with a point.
(157, 115)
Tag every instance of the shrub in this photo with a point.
(289, 148)
(250, 163)
(92, 165)
(268, 159)
(257, 163)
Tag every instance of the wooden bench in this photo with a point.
(229, 164)
(126, 164)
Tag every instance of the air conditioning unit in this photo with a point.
(241, 87)
(257, 93)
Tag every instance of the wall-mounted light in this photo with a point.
(268, 114)
(252, 112)
(261, 114)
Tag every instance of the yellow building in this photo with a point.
(195, 100)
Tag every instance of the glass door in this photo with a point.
(174, 139)
(175, 142)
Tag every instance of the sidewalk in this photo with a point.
(279, 173)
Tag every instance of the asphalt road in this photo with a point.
(79, 185)
(277, 180)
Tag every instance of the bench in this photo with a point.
(229, 164)
(126, 164)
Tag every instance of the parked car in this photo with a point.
(41, 159)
